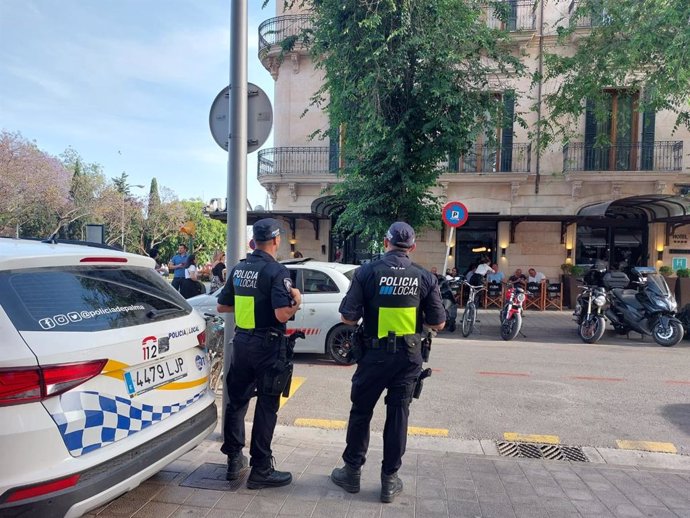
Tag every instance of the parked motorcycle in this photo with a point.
(511, 314)
(449, 302)
(649, 310)
(589, 313)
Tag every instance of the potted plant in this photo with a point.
(666, 271)
(682, 287)
(571, 273)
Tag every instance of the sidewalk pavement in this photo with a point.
(442, 478)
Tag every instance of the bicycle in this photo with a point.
(215, 336)
(469, 316)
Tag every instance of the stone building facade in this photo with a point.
(623, 205)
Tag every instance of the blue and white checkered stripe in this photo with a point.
(90, 420)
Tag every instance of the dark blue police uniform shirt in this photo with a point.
(280, 284)
(352, 306)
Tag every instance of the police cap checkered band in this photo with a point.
(266, 229)
(401, 234)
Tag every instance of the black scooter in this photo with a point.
(447, 288)
(648, 310)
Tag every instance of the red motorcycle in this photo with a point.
(511, 314)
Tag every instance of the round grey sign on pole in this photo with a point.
(259, 118)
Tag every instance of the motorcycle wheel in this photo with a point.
(592, 329)
(511, 327)
(670, 336)
(468, 317)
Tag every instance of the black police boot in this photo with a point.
(260, 478)
(391, 485)
(236, 463)
(347, 477)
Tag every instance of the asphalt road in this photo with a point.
(547, 383)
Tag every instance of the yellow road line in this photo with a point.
(296, 383)
(522, 437)
(329, 424)
(435, 432)
(661, 447)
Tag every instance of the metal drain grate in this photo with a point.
(541, 451)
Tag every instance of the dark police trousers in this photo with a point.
(250, 359)
(376, 371)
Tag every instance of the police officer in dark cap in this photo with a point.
(260, 293)
(394, 298)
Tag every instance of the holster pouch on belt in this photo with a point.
(419, 385)
(426, 347)
(356, 351)
(278, 378)
(391, 344)
(414, 345)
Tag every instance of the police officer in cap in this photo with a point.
(260, 293)
(394, 298)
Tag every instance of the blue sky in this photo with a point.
(128, 84)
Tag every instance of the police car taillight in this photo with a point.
(201, 338)
(26, 385)
(42, 488)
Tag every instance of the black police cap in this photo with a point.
(401, 234)
(266, 229)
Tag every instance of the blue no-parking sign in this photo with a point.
(454, 214)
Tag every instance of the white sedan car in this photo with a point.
(323, 286)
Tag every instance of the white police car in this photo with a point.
(103, 376)
(323, 286)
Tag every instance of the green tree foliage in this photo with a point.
(641, 45)
(408, 81)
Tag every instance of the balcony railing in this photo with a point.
(516, 158)
(592, 19)
(276, 30)
(521, 17)
(296, 161)
(657, 156)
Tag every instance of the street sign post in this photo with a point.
(259, 117)
(454, 214)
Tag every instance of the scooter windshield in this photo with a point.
(656, 285)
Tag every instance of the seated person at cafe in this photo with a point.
(477, 278)
(535, 276)
(495, 277)
(518, 277)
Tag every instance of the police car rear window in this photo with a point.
(87, 298)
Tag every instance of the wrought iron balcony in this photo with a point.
(275, 31)
(484, 158)
(656, 156)
(589, 20)
(521, 17)
(284, 162)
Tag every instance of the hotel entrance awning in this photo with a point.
(655, 207)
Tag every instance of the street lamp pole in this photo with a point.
(124, 197)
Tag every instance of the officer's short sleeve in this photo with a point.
(227, 294)
(432, 304)
(352, 306)
(281, 283)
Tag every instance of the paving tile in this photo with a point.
(190, 512)
(123, 507)
(626, 511)
(464, 509)
(360, 509)
(266, 505)
(223, 513)
(656, 512)
(461, 494)
(430, 507)
(173, 494)
(331, 509)
(234, 502)
(430, 488)
(204, 498)
(530, 511)
(491, 510)
(156, 510)
(294, 507)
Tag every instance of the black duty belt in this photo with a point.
(382, 343)
(257, 331)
